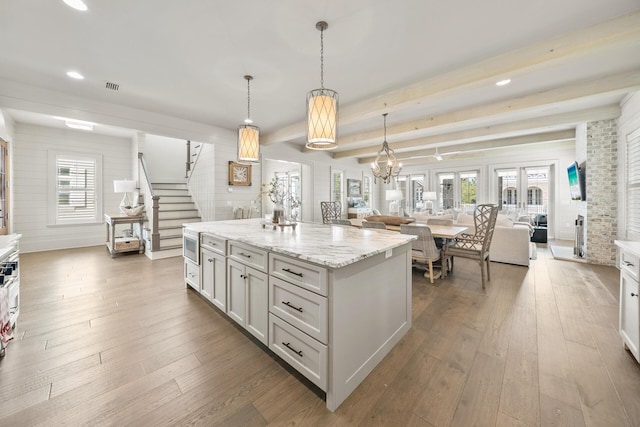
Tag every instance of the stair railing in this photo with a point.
(146, 189)
(192, 159)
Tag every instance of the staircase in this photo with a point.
(175, 207)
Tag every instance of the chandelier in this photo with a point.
(322, 108)
(248, 135)
(386, 166)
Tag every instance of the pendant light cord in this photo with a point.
(321, 58)
(248, 98)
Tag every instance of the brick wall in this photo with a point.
(601, 180)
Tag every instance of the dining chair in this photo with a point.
(423, 251)
(330, 210)
(476, 246)
(341, 222)
(374, 224)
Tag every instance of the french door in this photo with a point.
(412, 187)
(524, 190)
(458, 190)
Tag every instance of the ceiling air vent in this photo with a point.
(112, 86)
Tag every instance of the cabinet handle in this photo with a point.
(288, 304)
(242, 276)
(286, 344)
(244, 255)
(292, 272)
(628, 264)
(211, 243)
(634, 295)
(210, 259)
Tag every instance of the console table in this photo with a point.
(124, 243)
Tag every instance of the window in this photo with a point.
(337, 184)
(75, 188)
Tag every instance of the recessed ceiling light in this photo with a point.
(75, 75)
(77, 124)
(503, 82)
(76, 4)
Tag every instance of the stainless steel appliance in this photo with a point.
(191, 245)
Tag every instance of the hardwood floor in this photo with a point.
(104, 341)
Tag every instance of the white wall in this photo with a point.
(30, 180)
(221, 198)
(559, 156)
(6, 126)
(628, 122)
(166, 158)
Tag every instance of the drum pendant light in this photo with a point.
(248, 135)
(322, 108)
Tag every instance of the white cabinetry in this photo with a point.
(629, 299)
(213, 275)
(298, 319)
(247, 293)
(192, 274)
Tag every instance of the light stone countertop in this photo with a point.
(333, 246)
(629, 246)
(5, 241)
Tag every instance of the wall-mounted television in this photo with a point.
(577, 188)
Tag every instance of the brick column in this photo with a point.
(601, 180)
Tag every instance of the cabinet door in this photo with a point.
(207, 273)
(630, 313)
(257, 304)
(236, 307)
(219, 297)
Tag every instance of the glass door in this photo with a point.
(457, 190)
(524, 191)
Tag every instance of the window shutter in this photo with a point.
(76, 189)
(633, 186)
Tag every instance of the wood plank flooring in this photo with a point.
(104, 341)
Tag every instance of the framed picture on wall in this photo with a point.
(354, 188)
(239, 174)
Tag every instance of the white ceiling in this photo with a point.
(431, 64)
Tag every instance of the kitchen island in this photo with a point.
(329, 300)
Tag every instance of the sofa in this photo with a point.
(511, 242)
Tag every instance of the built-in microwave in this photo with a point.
(191, 245)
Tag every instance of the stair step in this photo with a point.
(177, 222)
(174, 199)
(172, 185)
(170, 247)
(166, 242)
(176, 206)
(170, 192)
(187, 213)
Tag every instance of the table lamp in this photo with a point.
(394, 196)
(428, 197)
(125, 186)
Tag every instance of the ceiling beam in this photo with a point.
(619, 83)
(471, 135)
(562, 135)
(492, 152)
(558, 50)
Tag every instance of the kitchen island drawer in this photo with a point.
(303, 353)
(213, 243)
(630, 263)
(248, 255)
(301, 273)
(301, 308)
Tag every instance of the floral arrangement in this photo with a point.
(278, 194)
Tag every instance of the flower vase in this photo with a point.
(278, 212)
